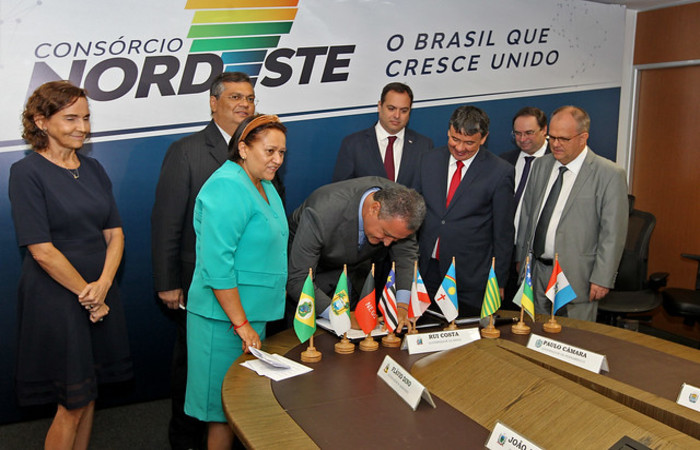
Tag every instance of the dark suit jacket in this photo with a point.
(323, 235)
(359, 156)
(478, 224)
(188, 163)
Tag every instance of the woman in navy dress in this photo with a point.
(72, 332)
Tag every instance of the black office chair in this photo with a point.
(633, 292)
(684, 302)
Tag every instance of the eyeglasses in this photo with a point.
(239, 98)
(519, 134)
(562, 140)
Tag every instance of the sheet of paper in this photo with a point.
(268, 358)
(277, 373)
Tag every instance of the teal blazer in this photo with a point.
(241, 243)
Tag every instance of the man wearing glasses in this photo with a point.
(188, 163)
(575, 206)
(529, 133)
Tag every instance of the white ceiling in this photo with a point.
(643, 5)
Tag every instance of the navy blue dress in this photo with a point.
(62, 355)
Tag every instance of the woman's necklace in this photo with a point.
(74, 172)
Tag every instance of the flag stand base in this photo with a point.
(344, 347)
(552, 326)
(490, 332)
(368, 344)
(451, 326)
(311, 355)
(520, 328)
(390, 340)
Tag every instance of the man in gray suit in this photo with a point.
(353, 222)
(575, 206)
(187, 165)
(365, 152)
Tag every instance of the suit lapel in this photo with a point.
(580, 182)
(218, 147)
(468, 178)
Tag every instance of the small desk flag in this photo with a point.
(366, 310)
(492, 296)
(446, 296)
(524, 297)
(558, 290)
(305, 316)
(340, 307)
(387, 304)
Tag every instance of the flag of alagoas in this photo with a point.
(305, 316)
(340, 307)
(446, 296)
(420, 300)
(492, 296)
(558, 290)
(366, 310)
(524, 297)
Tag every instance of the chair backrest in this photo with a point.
(632, 272)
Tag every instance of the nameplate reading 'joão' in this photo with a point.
(503, 437)
(580, 357)
(439, 340)
(689, 397)
(403, 383)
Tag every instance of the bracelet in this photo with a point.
(235, 327)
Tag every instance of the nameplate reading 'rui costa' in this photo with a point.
(689, 397)
(403, 383)
(580, 357)
(439, 340)
(503, 437)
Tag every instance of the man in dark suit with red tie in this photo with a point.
(389, 149)
(468, 192)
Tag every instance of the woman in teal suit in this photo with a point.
(241, 266)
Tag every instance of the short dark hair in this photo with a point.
(217, 86)
(583, 120)
(233, 153)
(470, 120)
(537, 113)
(396, 87)
(402, 202)
(47, 100)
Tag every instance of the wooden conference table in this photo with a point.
(343, 404)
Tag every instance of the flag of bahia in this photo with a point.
(305, 316)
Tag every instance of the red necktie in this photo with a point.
(454, 184)
(389, 159)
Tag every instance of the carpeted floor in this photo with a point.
(141, 426)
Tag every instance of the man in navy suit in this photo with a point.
(476, 224)
(364, 153)
(530, 135)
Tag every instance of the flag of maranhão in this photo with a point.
(305, 316)
(242, 30)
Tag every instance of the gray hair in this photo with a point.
(583, 120)
(217, 86)
(401, 202)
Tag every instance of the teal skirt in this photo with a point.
(212, 346)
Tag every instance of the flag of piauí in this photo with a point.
(446, 296)
(524, 297)
(558, 290)
(492, 296)
(305, 316)
(340, 307)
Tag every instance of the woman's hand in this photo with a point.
(99, 312)
(249, 337)
(93, 294)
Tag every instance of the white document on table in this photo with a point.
(274, 366)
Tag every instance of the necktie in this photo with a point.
(454, 184)
(523, 179)
(389, 159)
(546, 216)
